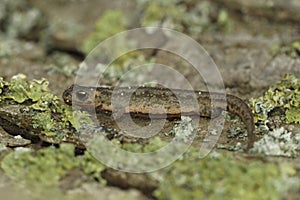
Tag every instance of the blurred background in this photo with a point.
(252, 42)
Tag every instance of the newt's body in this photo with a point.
(160, 103)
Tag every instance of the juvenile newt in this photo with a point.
(143, 99)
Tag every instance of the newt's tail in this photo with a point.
(239, 107)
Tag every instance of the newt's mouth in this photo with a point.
(68, 101)
(67, 95)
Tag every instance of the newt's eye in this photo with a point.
(82, 95)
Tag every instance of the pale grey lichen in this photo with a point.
(62, 64)
(20, 19)
(236, 147)
(9, 47)
(185, 130)
(279, 142)
(2, 147)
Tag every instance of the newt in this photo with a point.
(155, 102)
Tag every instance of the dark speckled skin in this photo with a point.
(173, 103)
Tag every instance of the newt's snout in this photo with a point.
(67, 95)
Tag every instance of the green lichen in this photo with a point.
(44, 121)
(222, 177)
(76, 118)
(285, 94)
(37, 91)
(46, 167)
(296, 45)
(224, 22)
(291, 49)
(92, 167)
(154, 144)
(111, 22)
(214, 177)
(177, 15)
(48, 113)
(293, 116)
(170, 17)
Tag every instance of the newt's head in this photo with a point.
(80, 96)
